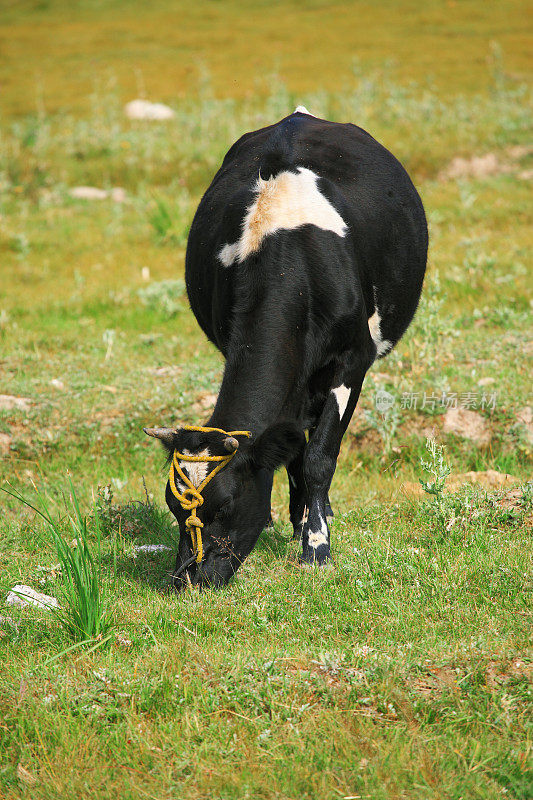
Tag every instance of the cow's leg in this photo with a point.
(298, 509)
(320, 457)
(329, 510)
(270, 522)
(297, 493)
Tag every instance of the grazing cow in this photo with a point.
(305, 263)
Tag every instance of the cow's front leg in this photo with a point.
(329, 510)
(297, 493)
(319, 468)
(320, 461)
(298, 508)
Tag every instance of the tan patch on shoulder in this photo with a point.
(273, 202)
(284, 202)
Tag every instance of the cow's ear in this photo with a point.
(277, 445)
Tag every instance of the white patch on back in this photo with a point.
(284, 202)
(195, 470)
(342, 395)
(302, 110)
(374, 326)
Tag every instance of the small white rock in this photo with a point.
(88, 193)
(118, 194)
(9, 401)
(143, 109)
(26, 596)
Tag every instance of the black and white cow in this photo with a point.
(305, 263)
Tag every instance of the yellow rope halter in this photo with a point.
(192, 498)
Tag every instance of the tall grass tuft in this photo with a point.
(438, 469)
(84, 610)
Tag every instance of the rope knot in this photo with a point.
(191, 499)
(194, 522)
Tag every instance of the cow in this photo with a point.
(304, 264)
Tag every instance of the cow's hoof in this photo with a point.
(316, 559)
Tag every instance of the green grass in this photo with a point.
(50, 60)
(83, 611)
(406, 671)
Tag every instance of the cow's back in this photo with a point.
(353, 180)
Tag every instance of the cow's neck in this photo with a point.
(262, 377)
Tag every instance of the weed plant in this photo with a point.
(438, 469)
(84, 606)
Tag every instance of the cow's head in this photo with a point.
(236, 502)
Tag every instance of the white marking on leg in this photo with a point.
(305, 515)
(302, 110)
(317, 538)
(195, 470)
(374, 326)
(284, 202)
(342, 395)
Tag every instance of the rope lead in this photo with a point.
(191, 498)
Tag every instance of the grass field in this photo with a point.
(406, 671)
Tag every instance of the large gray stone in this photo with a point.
(23, 596)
